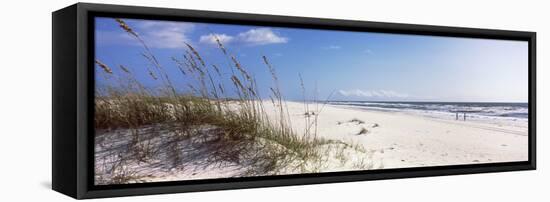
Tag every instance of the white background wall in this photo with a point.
(25, 104)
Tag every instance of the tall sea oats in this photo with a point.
(103, 66)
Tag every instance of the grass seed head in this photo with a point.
(103, 66)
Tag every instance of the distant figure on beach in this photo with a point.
(464, 115)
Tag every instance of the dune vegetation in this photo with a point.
(205, 121)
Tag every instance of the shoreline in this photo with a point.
(403, 139)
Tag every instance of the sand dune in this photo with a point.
(389, 140)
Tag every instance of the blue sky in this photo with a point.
(354, 65)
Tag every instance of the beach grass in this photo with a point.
(238, 127)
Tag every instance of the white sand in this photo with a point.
(171, 159)
(393, 140)
(406, 140)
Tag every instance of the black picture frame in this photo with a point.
(73, 91)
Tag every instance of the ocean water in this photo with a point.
(447, 109)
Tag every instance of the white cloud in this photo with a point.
(157, 34)
(372, 93)
(368, 51)
(161, 34)
(261, 36)
(167, 34)
(211, 39)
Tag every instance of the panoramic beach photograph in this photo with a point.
(179, 101)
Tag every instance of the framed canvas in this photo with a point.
(155, 100)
